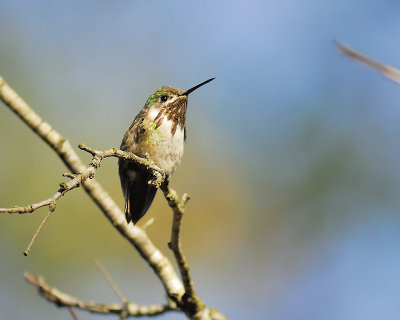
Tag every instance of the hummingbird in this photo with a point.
(157, 132)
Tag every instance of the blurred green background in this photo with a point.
(292, 156)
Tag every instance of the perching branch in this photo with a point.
(387, 70)
(183, 295)
(88, 173)
(135, 235)
(77, 179)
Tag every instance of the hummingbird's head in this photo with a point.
(172, 103)
(168, 96)
(165, 97)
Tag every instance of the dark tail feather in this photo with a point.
(138, 193)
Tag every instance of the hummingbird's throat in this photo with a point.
(175, 112)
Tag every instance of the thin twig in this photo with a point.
(111, 282)
(73, 314)
(387, 70)
(62, 299)
(28, 249)
(33, 207)
(89, 173)
(148, 223)
(178, 208)
(190, 303)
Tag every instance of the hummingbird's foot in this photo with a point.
(158, 179)
(167, 177)
(165, 183)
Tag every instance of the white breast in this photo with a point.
(169, 148)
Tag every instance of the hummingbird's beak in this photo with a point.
(196, 87)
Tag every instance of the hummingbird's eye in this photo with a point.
(163, 98)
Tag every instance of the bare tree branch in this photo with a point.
(78, 179)
(111, 282)
(36, 234)
(190, 303)
(89, 173)
(178, 208)
(73, 314)
(184, 295)
(135, 235)
(62, 299)
(387, 70)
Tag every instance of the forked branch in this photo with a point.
(183, 295)
(89, 173)
(135, 235)
(77, 180)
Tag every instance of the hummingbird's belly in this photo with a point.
(166, 148)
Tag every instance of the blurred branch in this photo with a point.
(73, 314)
(387, 70)
(111, 282)
(36, 234)
(124, 310)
